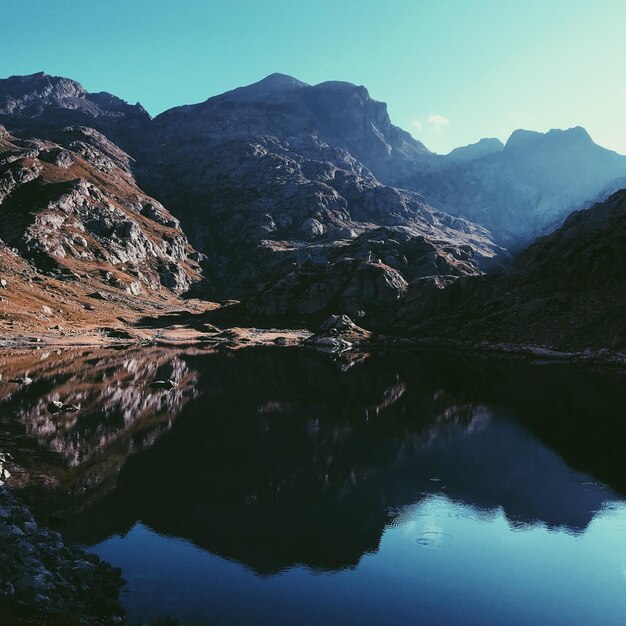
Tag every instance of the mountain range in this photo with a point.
(230, 198)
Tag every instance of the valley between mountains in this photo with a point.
(258, 215)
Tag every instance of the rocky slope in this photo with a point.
(367, 278)
(75, 224)
(524, 188)
(258, 175)
(565, 291)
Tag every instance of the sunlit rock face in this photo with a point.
(522, 189)
(73, 209)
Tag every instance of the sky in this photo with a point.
(451, 71)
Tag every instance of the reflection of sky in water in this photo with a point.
(440, 562)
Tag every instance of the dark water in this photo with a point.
(277, 486)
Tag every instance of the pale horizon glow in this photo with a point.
(484, 66)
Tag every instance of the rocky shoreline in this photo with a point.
(337, 334)
(43, 575)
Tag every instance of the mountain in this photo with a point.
(261, 174)
(525, 188)
(78, 237)
(334, 113)
(37, 104)
(481, 148)
(566, 290)
(303, 200)
(266, 173)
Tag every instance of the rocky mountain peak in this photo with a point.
(16, 92)
(521, 138)
(278, 81)
(483, 147)
(555, 138)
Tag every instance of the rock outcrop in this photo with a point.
(367, 277)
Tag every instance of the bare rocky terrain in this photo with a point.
(301, 202)
(565, 291)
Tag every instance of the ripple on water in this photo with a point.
(431, 539)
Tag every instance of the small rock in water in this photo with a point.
(164, 384)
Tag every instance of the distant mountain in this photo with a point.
(481, 148)
(525, 188)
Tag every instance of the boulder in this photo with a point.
(164, 384)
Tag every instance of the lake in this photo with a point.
(285, 486)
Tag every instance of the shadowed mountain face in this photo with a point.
(317, 457)
(524, 188)
(282, 168)
(565, 290)
(332, 114)
(262, 174)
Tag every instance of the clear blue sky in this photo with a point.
(486, 67)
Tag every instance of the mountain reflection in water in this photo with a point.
(281, 457)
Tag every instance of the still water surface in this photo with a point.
(278, 486)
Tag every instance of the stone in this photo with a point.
(54, 406)
(312, 228)
(337, 322)
(23, 380)
(164, 384)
